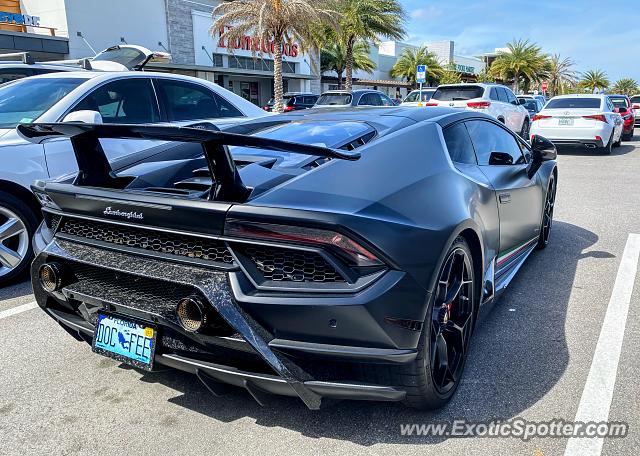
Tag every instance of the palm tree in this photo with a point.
(450, 75)
(625, 86)
(523, 62)
(334, 58)
(271, 23)
(368, 20)
(594, 80)
(406, 65)
(485, 75)
(561, 76)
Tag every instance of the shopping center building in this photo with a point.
(180, 27)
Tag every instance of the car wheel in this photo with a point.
(547, 215)
(17, 225)
(524, 133)
(606, 150)
(433, 377)
(618, 143)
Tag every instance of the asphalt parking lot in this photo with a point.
(530, 358)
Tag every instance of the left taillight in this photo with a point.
(349, 250)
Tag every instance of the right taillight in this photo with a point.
(539, 117)
(598, 117)
(350, 250)
(479, 104)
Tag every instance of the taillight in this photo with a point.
(347, 248)
(540, 117)
(636, 106)
(431, 104)
(288, 108)
(598, 117)
(478, 104)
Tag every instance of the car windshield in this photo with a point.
(322, 133)
(334, 99)
(25, 100)
(455, 93)
(418, 96)
(574, 103)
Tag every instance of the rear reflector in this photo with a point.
(347, 248)
(598, 138)
(540, 117)
(479, 104)
(598, 117)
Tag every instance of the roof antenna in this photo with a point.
(79, 34)
(122, 40)
(163, 46)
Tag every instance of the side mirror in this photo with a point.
(92, 117)
(500, 158)
(542, 150)
(622, 110)
(522, 101)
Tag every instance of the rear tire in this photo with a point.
(627, 136)
(606, 150)
(18, 223)
(547, 214)
(524, 132)
(433, 377)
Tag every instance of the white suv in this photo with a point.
(493, 99)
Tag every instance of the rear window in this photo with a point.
(574, 103)
(334, 99)
(322, 133)
(635, 99)
(455, 93)
(416, 96)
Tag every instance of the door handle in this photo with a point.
(504, 198)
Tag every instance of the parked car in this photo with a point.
(493, 99)
(354, 98)
(541, 98)
(532, 105)
(635, 104)
(87, 96)
(418, 97)
(294, 102)
(251, 268)
(580, 120)
(624, 107)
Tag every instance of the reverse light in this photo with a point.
(598, 117)
(479, 104)
(539, 117)
(342, 245)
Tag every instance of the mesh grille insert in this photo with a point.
(288, 265)
(155, 241)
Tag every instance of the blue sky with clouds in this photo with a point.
(595, 34)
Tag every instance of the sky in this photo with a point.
(594, 34)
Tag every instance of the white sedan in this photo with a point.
(123, 97)
(580, 120)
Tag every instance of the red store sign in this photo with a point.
(248, 43)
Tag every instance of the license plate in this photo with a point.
(125, 340)
(565, 122)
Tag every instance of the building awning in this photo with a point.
(228, 71)
(40, 46)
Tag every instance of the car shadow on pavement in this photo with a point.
(518, 354)
(16, 290)
(624, 149)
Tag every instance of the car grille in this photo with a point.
(155, 241)
(287, 265)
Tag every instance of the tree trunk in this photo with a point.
(348, 85)
(278, 105)
(515, 84)
(339, 79)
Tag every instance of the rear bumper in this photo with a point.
(292, 367)
(575, 136)
(577, 142)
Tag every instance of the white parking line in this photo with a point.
(598, 390)
(18, 309)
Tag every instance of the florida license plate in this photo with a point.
(565, 122)
(125, 340)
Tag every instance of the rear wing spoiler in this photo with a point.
(95, 170)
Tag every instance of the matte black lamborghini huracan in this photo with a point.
(317, 254)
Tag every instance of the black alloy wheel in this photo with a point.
(547, 214)
(451, 321)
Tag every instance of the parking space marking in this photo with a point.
(18, 309)
(598, 390)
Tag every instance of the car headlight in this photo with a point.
(627, 116)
